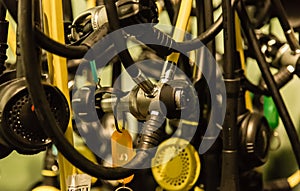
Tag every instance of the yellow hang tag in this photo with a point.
(122, 151)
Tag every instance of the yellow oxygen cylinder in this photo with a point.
(181, 25)
(53, 17)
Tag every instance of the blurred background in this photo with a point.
(20, 172)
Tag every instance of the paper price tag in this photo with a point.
(122, 151)
(79, 182)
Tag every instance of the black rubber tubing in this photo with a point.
(117, 37)
(74, 52)
(270, 82)
(44, 114)
(284, 22)
(230, 174)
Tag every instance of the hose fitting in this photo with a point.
(153, 132)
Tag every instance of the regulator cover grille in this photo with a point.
(176, 165)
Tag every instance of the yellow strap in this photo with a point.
(181, 25)
(240, 49)
(294, 179)
(54, 20)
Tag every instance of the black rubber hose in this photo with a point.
(176, 8)
(120, 44)
(230, 171)
(170, 9)
(282, 77)
(209, 20)
(11, 6)
(117, 38)
(229, 40)
(254, 88)
(204, 13)
(288, 30)
(200, 14)
(68, 11)
(269, 80)
(282, 16)
(2, 12)
(169, 45)
(44, 41)
(46, 118)
(211, 159)
(69, 51)
(153, 132)
(44, 114)
(74, 52)
(262, 15)
(203, 38)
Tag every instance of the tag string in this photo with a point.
(116, 116)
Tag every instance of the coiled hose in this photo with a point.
(73, 52)
(44, 114)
